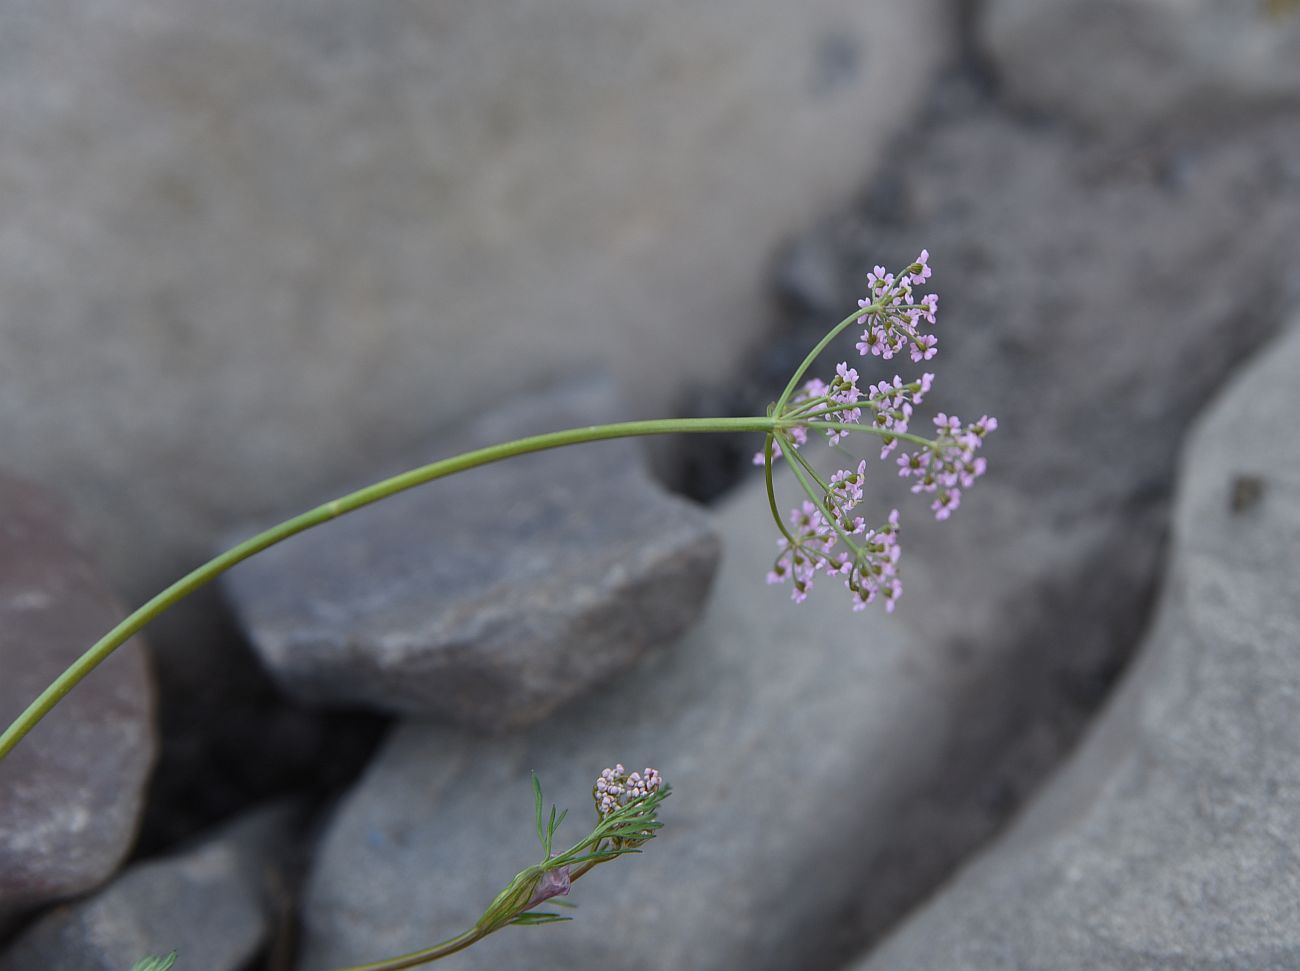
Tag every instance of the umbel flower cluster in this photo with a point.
(825, 534)
(616, 788)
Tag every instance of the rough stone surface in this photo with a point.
(259, 248)
(496, 595)
(214, 904)
(1172, 839)
(71, 792)
(789, 736)
(1131, 66)
(1084, 303)
(1096, 335)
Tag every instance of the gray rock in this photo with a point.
(71, 793)
(1131, 66)
(1084, 303)
(790, 737)
(262, 248)
(491, 597)
(1172, 840)
(266, 249)
(1095, 335)
(214, 904)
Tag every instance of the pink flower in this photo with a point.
(924, 347)
(947, 501)
(930, 305)
(920, 270)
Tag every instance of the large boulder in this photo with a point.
(250, 251)
(258, 249)
(1171, 839)
(1095, 336)
(1093, 302)
(491, 597)
(215, 903)
(1134, 67)
(71, 793)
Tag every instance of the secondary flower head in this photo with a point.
(617, 788)
(825, 534)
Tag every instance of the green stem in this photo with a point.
(821, 506)
(471, 936)
(798, 457)
(187, 584)
(771, 489)
(876, 430)
(804, 408)
(816, 352)
(428, 954)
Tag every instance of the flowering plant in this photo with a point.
(627, 809)
(823, 535)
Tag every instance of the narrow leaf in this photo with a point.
(534, 918)
(155, 964)
(537, 811)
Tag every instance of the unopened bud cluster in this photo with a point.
(825, 534)
(616, 788)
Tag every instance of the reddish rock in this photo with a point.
(72, 791)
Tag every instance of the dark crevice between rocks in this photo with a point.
(230, 739)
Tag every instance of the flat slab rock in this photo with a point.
(491, 597)
(1171, 841)
(71, 793)
(214, 904)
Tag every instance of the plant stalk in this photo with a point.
(209, 571)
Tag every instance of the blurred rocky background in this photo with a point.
(255, 255)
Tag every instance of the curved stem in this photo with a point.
(454, 944)
(798, 457)
(816, 352)
(416, 958)
(786, 446)
(821, 505)
(209, 571)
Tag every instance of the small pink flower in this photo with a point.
(920, 270)
(947, 501)
(930, 305)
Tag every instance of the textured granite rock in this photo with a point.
(1171, 840)
(71, 793)
(1135, 66)
(261, 248)
(491, 597)
(789, 736)
(214, 904)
